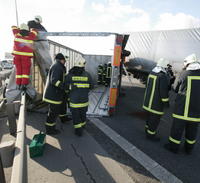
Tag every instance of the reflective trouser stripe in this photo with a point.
(52, 101)
(22, 53)
(190, 141)
(174, 140)
(25, 76)
(80, 125)
(18, 76)
(62, 115)
(22, 76)
(84, 123)
(165, 99)
(151, 132)
(50, 124)
(78, 105)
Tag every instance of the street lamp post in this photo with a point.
(16, 12)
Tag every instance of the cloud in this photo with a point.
(178, 21)
(82, 15)
(119, 17)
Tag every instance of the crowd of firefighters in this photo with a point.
(186, 112)
(72, 88)
(104, 74)
(61, 89)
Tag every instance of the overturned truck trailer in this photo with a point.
(102, 99)
(147, 47)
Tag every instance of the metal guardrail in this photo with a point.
(19, 169)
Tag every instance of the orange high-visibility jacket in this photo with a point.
(23, 45)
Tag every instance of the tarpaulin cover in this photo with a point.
(147, 47)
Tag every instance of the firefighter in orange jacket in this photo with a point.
(23, 52)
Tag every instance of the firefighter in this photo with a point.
(108, 73)
(104, 75)
(36, 23)
(23, 52)
(54, 94)
(79, 83)
(170, 74)
(41, 47)
(156, 98)
(100, 74)
(186, 114)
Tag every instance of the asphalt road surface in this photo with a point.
(129, 121)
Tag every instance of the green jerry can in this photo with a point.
(36, 147)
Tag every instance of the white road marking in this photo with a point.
(152, 166)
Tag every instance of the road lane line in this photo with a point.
(152, 166)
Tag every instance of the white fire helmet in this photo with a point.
(38, 18)
(162, 63)
(23, 26)
(79, 62)
(190, 59)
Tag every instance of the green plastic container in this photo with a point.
(36, 147)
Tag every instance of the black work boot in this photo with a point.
(50, 130)
(78, 132)
(170, 148)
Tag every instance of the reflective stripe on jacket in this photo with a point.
(79, 86)
(187, 102)
(54, 88)
(156, 93)
(23, 45)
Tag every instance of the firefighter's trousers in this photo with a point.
(23, 66)
(79, 116)
(177, 129)
(54, 111)
(153, 120)
(63, 111)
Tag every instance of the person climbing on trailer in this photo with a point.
(23, 52)
(36, 23)
(79, 83)
(42, 55)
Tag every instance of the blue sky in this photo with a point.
(99, 15)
